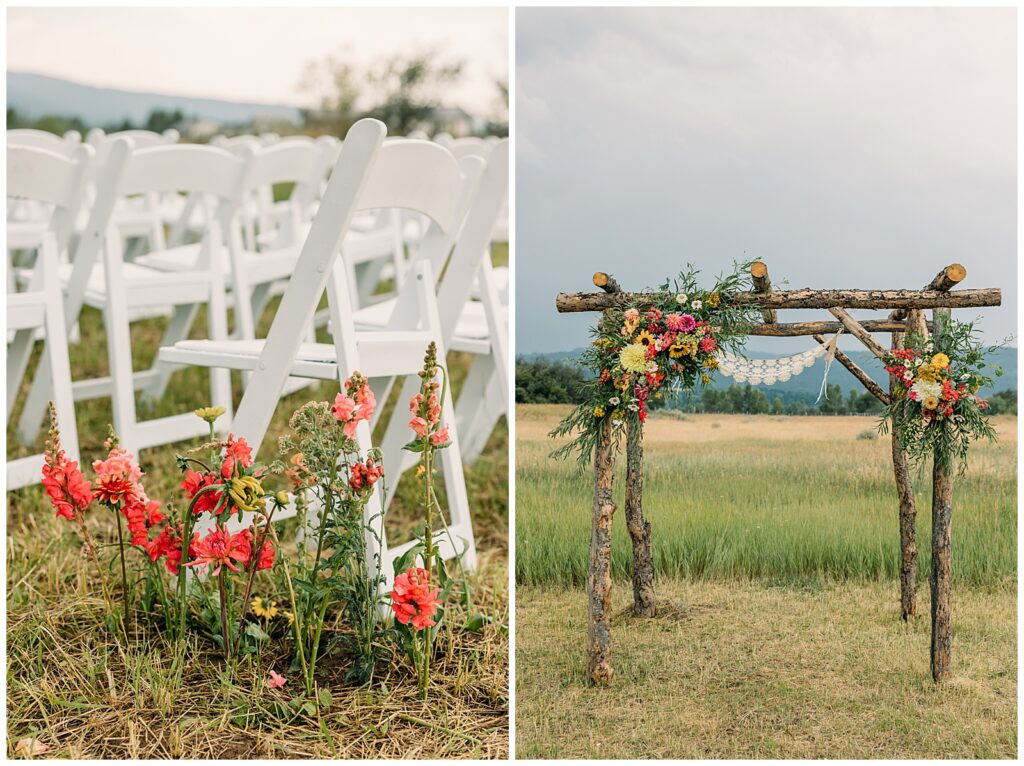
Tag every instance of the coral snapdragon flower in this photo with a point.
(354, 404)
(68, 490)
(364, 474)
(412, 600)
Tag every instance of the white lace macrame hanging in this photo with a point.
(771, 371)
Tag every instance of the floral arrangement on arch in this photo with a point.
(667, 343)
(936, 410)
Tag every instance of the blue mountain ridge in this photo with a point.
(36, 95)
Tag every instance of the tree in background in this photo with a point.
(541, 382)
(405, 92)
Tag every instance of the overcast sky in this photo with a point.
(860, 148)
(251, 54)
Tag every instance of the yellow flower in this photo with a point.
(633, 358)
(290, 616)
(711, 363)
(601, 342)
(676, 350)
(246, 493)
(644, 338)
(622, 383)
(689, 348)
(927, 372)
(705, 378)
(599, 411)
(282, 498)
(269, 611)
(713, 300)
(210, 414)
(940, 361)
(930, 403)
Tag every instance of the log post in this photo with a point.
(942, 553)
(908, 511)
(639, 527)
(599, 584)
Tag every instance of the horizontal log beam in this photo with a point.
(805, 299)
(789, 329)
(945, 280)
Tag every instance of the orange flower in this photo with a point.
(412, 600)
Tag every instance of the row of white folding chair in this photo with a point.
(56, 181)
(370, 174)
(100, 277)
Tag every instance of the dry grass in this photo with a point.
(73, 688)
(738, 670)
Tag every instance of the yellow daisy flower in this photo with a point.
(713, 300)
(209, 414)
(676, 350)
(262, 609)
(599, 411)
(930, 403)
(940, 361)
(711, 363)
(644, 338)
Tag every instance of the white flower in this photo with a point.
(926, 388)
(633, 407)
(614, 401)
(696, 305)
(616, 422)
(652, 366)
(681, 299)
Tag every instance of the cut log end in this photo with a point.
(758, 270)
(606, 282)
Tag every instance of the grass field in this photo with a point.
(776, 546)
(74, 689)
(784, 499)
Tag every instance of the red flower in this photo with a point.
(167, 544)
(708, 344)
(221, 548)
(364, 475)
(235, 452)
(69, 492)
(412, 600)
(115, 490)
(195, 481)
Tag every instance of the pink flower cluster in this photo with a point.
(69, 491)
(355, 403)
(426, 416)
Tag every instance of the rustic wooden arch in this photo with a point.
(906, 315)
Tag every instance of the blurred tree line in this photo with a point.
(547, 382)
(406, 92)
(158, 121)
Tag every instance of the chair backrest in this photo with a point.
(140, 139)
(41, 139)
(470, 146)
(46, 177)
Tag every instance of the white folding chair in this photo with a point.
(369, 175)
(478, 327)
(118, 288)
(142, 218)
(58, 182)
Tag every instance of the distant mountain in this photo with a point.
(36, 95)
(807, 384)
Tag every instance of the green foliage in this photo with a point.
(541, 382)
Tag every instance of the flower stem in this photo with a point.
(124, 574)
(297, 621)
(253, 564)
(225, 630)
(186, 539)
